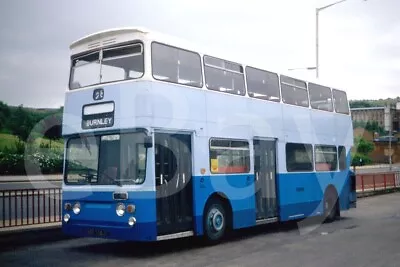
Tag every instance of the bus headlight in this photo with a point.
(77, 208)
(132, 221)
(120, 210)
(131, 208)
(66, 217)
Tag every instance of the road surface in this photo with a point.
(30, 182)
(366, 236)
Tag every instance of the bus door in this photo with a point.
(173, 169)
(265, 179)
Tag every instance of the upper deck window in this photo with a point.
(262, 84)
(320, 97)
(108, 65)
(224, 76)
(294, 92)
(340, 100)
(176, 65)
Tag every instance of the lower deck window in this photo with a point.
(325, 158)
(299, 157)
(342, 158)
(229, 156)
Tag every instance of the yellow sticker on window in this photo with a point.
(214, 165)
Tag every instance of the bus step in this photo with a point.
(266, 221)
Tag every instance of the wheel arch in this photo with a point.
(219, 196)
(330, 191)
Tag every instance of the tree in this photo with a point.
(2, 122)
(4, 114)
(51, 127)
(373, 126)
(363, 149)
(360, 104)
(360, 160)
(21, 123)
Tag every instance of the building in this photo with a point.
(387, 117)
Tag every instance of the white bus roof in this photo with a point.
(107, 34)
(118, 35)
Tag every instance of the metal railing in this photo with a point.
(372, 182)
(30, 206)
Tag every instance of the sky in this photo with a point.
(359, 40)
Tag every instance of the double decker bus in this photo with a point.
(164, 141)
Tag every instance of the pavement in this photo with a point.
(365, 236)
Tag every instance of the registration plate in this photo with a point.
(97, 232)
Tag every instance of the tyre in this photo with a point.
(330, 208)
(215, 221)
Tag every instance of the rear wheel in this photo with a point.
(330, 208)
(215, 221)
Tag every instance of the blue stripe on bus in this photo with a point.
(299, 195)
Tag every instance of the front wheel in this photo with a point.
(214, 221)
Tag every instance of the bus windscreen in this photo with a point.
(106, 160)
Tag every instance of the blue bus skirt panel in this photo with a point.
(301, 194)
(239, 190)
(98, 217)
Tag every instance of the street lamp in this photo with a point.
(317, 10)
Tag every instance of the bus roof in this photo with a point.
(107, 33)
(107, 36)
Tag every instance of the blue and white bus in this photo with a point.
(163, 141)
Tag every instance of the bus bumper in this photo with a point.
(138, 232)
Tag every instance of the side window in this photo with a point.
(176, 65)
(294, 92)
(342, 158)
(325, 158)
(229, 156)
(320, 97)
(224, 76)
(299, 157)
(262, 84)
(340, 101)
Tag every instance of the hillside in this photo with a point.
(23, 122)
(374, 103)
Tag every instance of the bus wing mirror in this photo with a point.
(148, 142)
